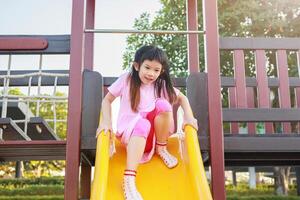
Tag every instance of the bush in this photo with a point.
(269, 197)
(19, 183)
(52, 197)
(33, 190)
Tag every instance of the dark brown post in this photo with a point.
(74, 103)
(210, 13)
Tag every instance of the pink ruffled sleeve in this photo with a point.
(117, 87)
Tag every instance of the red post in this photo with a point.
(192, 25)
(85, 176)
(210, 13)
(74, 103)
(89, 37)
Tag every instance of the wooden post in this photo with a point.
(210, 12)
(74, 103)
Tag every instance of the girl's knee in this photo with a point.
(163, 105)
(142, 128)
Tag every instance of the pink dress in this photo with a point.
(127, 119)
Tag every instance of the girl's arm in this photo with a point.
(188, 113)
(105, 123)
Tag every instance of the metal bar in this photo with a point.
(35, 100)
(30, 97)
(39, 86)
(54, 104)
(47, 120)
(27, 108)
(130, 31)
(34, 74)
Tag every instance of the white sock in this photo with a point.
(129, 187)
(169, 160)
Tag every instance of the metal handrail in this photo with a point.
(126, 31)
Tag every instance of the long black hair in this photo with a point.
(151, 53)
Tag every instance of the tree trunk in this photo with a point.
(281, 176)
(19, 169)
(234, 178)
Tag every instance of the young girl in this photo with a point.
(145, 118)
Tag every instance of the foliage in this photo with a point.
(38, 197)
(257, 18)
(33, 190)
(20, 183)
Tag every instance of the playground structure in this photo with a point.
(203, 89)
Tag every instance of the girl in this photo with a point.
(145, 118)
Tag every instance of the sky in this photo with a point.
(21, 17)
(53, 17)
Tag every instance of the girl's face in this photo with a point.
(149, 71)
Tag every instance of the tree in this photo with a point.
(257, 18)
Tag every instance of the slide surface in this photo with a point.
(154, 180)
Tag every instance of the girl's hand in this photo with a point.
(104, 127)
(190, 121)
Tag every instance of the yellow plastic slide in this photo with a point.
(154, 180)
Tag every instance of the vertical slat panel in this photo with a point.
(250, 102)
(297, 96)
(240, 79)
(284, 88)
(234, 127)
(297, 90)
(263, 91)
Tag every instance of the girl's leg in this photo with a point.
(135, 150)
(162, 125)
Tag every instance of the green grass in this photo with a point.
(28, 197)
